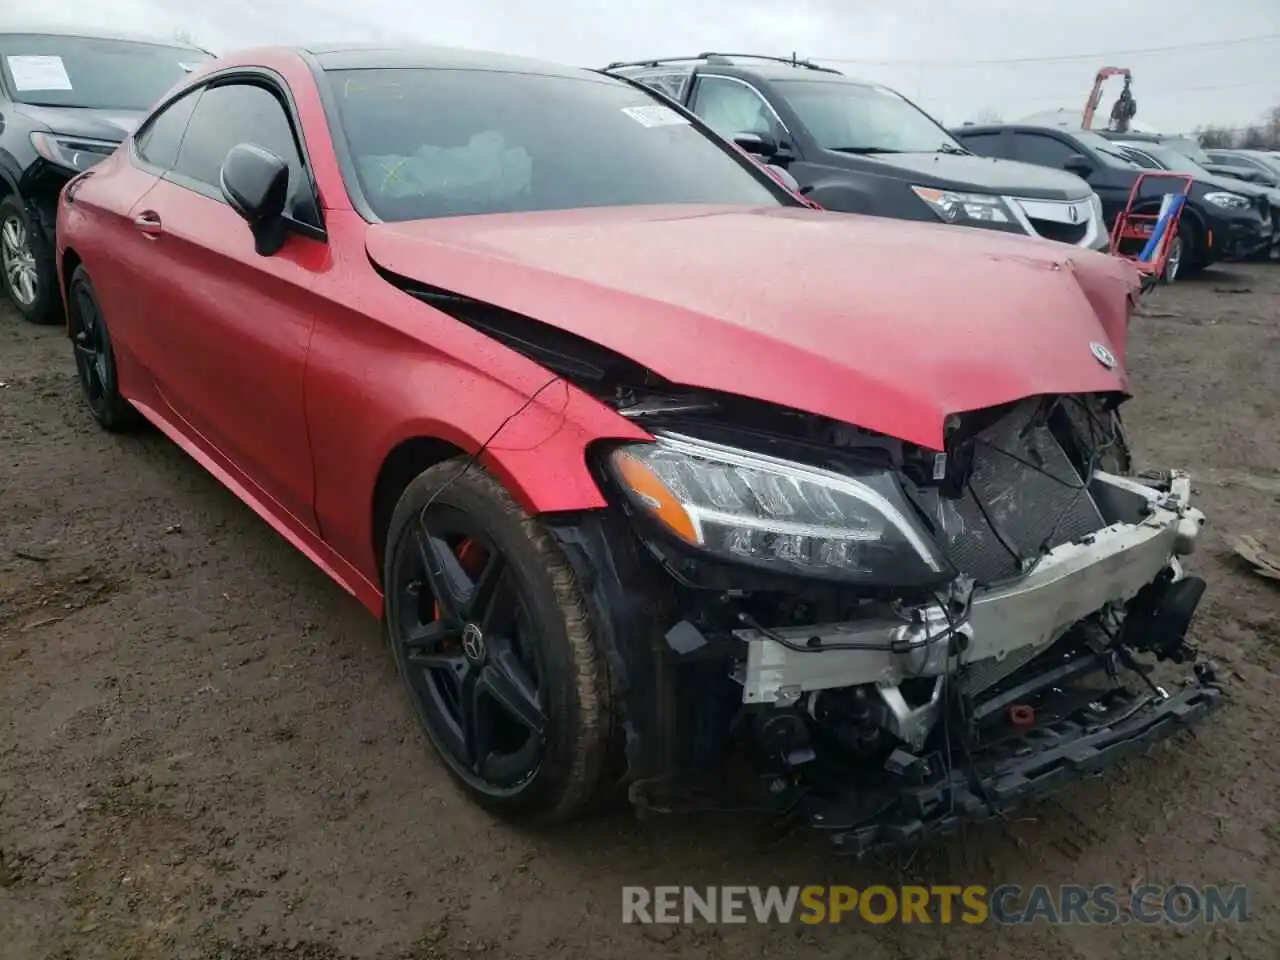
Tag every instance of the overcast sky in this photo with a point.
(930, 50)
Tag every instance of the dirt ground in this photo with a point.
(205, 751)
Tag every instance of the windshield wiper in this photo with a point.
(952, 148)
(864, 150)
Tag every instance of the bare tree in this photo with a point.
(1212, 137)
(1254, 138)
(1272, 125)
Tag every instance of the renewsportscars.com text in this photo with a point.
(973, 904)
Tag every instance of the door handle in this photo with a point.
(148, 223)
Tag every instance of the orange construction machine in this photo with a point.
(1122, 111)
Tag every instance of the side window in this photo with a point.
(1141, 159)
(232, 113)
(984, 144)
(1043, 150)
(158, 143)
(669, 84)
(729, 107)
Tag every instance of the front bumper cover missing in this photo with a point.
(1032, 767)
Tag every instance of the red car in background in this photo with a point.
(648, 468)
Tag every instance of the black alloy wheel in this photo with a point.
(490, 634)
(95, 358)
(469, 653)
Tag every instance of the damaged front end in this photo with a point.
(815, 620)
(822, 621)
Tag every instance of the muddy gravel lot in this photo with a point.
(204, 749)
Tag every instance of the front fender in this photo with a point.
(539, 454)
(365, 398)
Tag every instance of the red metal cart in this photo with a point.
(1161, 260)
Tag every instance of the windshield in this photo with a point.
(1170, 159)
(863, 118)
(1106, 150)
(54, 71)
(1188, 148)
(448, 142)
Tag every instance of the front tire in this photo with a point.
(492, 636)
(1195, 253)
(1173, 264)
(27, 267)
(95, 358)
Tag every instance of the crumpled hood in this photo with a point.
(886, 324)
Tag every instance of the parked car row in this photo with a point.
(1224, 219)
(858, 147)
(1255, 194)
(1264, 166)
(849, 146)
(657, 477)
(1188, 148)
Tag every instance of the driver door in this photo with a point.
(229, 330)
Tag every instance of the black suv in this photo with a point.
(860, 147)
(1218, 223)
(66, 102)
(1160, 156)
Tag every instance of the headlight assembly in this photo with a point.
(76, 154)
(779, 515)
(962, 208)
(1228, 201)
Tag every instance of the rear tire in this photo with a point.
(95, 358)
(540, 756)
(27, 267)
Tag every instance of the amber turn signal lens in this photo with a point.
(648, 489)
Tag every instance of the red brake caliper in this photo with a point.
(472, 557)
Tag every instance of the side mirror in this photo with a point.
(255, 183)
(757, 144)
(1078, 164)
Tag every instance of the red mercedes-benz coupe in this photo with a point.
(652, 473)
